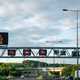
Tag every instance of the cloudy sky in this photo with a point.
(39, 22)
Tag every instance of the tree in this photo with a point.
(67, 70)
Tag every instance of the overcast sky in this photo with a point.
(39, 22)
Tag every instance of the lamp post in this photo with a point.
(77, 33)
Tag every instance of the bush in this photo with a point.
(3, 78)
(77, 78)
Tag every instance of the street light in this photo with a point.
(77, 27)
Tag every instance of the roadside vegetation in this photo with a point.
(13, 70)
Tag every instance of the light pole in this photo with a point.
(77, 33)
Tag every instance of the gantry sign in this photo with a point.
(3, 38)
(39, 52)
(34, 52)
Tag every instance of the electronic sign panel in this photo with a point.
(42, 52)
(11, 52)
(3, 38)
(27, 52)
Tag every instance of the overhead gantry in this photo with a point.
(39, 52)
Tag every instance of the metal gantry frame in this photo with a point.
(50, 52)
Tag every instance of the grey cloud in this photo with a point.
(41, 17)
